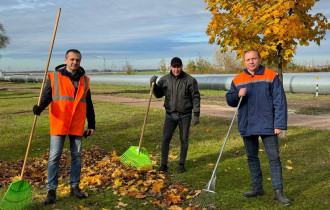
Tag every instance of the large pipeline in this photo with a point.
(292, 82)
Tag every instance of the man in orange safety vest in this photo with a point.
(69, 98)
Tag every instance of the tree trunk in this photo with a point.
(280, 63)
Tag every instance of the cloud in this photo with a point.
(117, 30)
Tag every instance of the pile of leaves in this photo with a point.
(102, 170)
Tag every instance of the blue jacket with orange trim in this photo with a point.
(264, 108)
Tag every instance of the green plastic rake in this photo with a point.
(18, 195)
(135, 156)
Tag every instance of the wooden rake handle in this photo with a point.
(41, 90)
(146, 116)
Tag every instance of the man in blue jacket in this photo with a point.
(263, 112)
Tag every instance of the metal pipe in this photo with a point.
(292, 82)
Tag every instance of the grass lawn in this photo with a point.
(304, 154)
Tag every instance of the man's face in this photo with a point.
(176, 70)
(252, 61)
(72, 61)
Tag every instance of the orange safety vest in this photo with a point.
(67, 113)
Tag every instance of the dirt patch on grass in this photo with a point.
(313, 121)
(317, 108)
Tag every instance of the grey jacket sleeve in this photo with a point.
(195, 95)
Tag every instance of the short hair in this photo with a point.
(73, 51)
(259, 56)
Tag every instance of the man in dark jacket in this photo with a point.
(68, 95)
(182, 98)
(263, 112)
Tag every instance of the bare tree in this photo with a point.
(4, 40)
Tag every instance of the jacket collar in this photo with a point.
(259, 71)
(62, 68)
(181, 75)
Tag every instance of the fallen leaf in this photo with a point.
(121, 205)
(118, 182)
(172, 156)
(156, 187)
(289, 167)
(175, 207)
(289, 161)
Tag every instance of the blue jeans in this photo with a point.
(56, 148)
(170, 125)
(271, 146)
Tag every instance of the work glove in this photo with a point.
(195, 120)
(153, 79)
(36, 110)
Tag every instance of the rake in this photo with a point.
(18, 195)
(206, 198)
(137, 157)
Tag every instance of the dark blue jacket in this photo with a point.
(264, 108)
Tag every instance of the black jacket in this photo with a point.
(46, 98)
(181, 93)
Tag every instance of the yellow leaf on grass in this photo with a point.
(156, 187)
(289, 167)
(207, 130)
(116, 173)
(289, 161)
(175, 207)
(162, 176)
(118, 182)
(64, 191)
(121, 205)
(102, 164)
(210, 164)
(80, 207)
(172, 156)
(115, 158)
(15, 178)
(155, 202)
(171, 198)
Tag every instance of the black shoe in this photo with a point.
(255, 191)
(280, 197)
(76, 192)
(163, 168)
(51, 197)
(181, 169)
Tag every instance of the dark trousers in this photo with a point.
(170, 125)
(271, 146)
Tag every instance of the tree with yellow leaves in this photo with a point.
(274, 28)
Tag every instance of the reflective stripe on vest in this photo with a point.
(57, 92)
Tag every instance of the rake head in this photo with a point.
(205, 200)
(133, 159)
(18, 196)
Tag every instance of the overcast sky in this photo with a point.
(138, 32)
